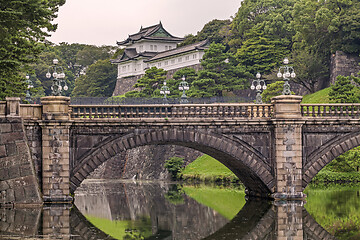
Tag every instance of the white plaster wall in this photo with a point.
(179, 61)
(131, 68)
(146, 46)
(138, 67)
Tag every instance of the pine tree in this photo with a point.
(219, 74)
(344, 91)
(149, 84)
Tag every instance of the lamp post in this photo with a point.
(286, 72)
(29, 86)
(164, 90)
(58, 80)
(258, 85)
(183, 86)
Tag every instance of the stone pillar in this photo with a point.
(12, 106)
(289, 220)
(55, 126)
(288, 147)
(56, 221)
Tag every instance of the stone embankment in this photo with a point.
(146, 163)
(18, 183)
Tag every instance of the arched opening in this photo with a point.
(325, 154)
(250, 168)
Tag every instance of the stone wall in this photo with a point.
(146, 162)
(18, 183)
(126, 84)
(343, 64)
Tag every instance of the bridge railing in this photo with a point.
(331, 110)
(173, 111)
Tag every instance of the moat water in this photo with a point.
(127, 210)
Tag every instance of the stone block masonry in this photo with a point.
(18, 182)
(343, 64)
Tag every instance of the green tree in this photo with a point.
(272, 90)
(271, 19)
(344, 90)
(173, 83)
(149, 85)
(174, 165)
(23, 27)
(212, 31)
(220, 74)
(99, 80)
(323, 27)
(90, 54)
(261, 52)
(311, 71)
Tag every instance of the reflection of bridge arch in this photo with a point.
(246, 162)
(327, 152)
(81, 227)
(260, 220)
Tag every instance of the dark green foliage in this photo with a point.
(220, 74)
(174, 165)
(175, 194)
(214, 31)
(173, 83)
(311, 71)
(347, 162)
(149, 84)
(344, 90)
(23, 26)
(323, 27)
(264, 18)
(99, 81)
(272, 90)
(261, 52)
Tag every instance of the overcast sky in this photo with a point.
(103, 22)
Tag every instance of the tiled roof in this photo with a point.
(130, 54)
(147, 33)
(195, 46)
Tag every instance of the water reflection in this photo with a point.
(159, 211)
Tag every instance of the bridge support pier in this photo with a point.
(55, 126)
(288, 148)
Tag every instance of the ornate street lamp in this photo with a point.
(164, 90)
(183, 86)
(286, 72)
(58, 80)
(29, 86)
(258, 85)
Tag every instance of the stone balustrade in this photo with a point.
(331, 110)
(172, 111)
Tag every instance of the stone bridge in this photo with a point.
(275, 149)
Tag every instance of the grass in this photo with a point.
(226, 201)
(206, 168)
(121, 229)
(321, 96)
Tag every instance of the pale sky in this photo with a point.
(103, 22)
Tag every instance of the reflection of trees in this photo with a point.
(175, 194)
(335, 209)
(139, 229)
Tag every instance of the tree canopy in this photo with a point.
(220, 74)
(149, 85)
(99, 80)
(23, 27)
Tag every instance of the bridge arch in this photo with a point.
(247, 164)
(328, 152)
